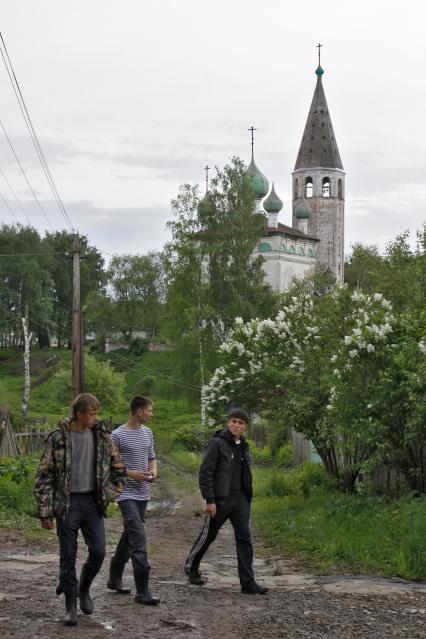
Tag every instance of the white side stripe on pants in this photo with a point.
(199, 543)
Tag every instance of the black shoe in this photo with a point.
(194, 576)
(147, 598)
(254, 589)
(70, 618)
(118, 587)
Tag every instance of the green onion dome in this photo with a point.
(273, 204)
(303, 211)
(257, 180)
(319, 71)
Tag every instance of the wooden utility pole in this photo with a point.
(76, 320)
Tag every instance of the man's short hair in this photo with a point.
(85, 402)
(139, 402)
(239, 413)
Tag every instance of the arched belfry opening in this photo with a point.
(340, 189)
(326, 188)
(309, 187)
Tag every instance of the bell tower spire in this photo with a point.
(319, 179)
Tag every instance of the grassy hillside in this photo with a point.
(149, 373)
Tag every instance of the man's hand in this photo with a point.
(151, 476)
(47, 524)
(211, 510)
(140, 475)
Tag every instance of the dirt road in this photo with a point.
(298, 605)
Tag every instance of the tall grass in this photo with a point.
(330, 529)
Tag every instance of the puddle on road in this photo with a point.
(106, 624)
(169, 505)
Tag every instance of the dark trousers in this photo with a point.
(237, 509)
(132, 542)
(83, 515)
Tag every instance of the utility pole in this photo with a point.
(76, 320)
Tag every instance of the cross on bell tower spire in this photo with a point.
(207, 169)
(319, 53)
(252, 129)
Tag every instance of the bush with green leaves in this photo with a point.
(190, 437)
(138, 346)
(17, 484)
(100, 380)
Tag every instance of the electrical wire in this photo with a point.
(32, 132)
(123, 362)
(31, 254)
(9, 207)
(15, 196)
(25, 176)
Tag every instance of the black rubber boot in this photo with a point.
(87, 575)
(115, 578)
(144, 595)
(70, 618)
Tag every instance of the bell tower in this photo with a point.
(319, 181)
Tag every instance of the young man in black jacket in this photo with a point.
(226, 485)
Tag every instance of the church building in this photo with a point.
(315, 241)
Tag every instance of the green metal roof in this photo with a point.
(273, 204)
(257, 180)
(303, 211)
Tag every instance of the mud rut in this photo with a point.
(298, 605)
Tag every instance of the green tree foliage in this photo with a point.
(135, 282)
(92, 279)
(400, 274)
(26, 281)
(210, 273)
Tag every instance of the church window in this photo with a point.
(291, 249)
(282, 247)
(265, 247)
(296, 189)
(300, 251)
(326, 187)
(309, 187)
(340, 189)
(310, 252)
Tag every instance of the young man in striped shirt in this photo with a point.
(135, 444)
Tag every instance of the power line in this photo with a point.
(25, 176)
(32, 132)
(8, 206)
(122, 361)
(31, 254)
(15, 196)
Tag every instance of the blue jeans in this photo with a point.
(83, 514)
(132, 542)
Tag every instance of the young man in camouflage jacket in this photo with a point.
(80, 472)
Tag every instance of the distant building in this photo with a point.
(315, 241)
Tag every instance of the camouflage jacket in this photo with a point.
(53, 476)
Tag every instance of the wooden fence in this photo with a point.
(31, 441)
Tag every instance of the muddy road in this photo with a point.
(299, 604)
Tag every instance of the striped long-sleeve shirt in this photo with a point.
(136, 447)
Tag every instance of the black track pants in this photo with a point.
(237, 510)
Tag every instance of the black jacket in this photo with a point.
(216, 469)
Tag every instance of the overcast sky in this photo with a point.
(132, 98)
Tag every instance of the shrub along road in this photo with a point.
(299, 604)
